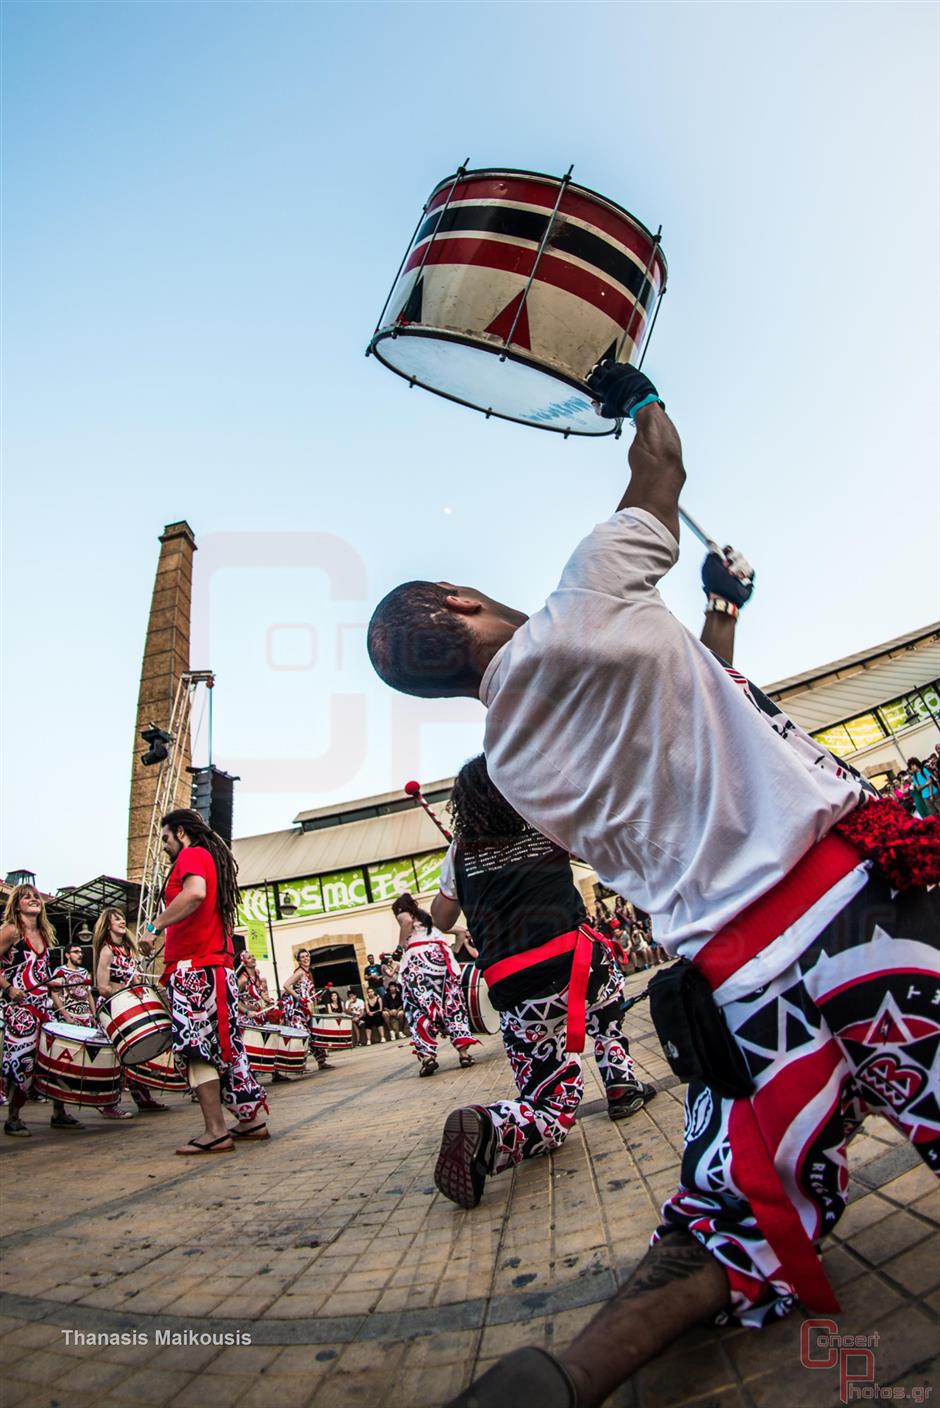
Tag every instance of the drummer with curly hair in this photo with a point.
(516, 890)
(201, 898)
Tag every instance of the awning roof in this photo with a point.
(851, 686)
(283, 855)
(88, 900)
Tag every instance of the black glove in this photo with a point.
(619, 388)
(730, 577)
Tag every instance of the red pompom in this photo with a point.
(413, 789)
(905, 848)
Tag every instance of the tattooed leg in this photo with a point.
(677, 1285)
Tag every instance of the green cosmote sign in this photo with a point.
(314, 895)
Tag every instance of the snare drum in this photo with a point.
(136, 1022)
(331, 1030)
(262, 1044)
(484, 1017)
(78, 1065)
(291, 1053)
(162, 1073)
(514, 285)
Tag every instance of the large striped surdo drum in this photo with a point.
(484, 1017)
(290, 1056)
(514, 285)
(262, 1044)
(77, 1064)
(136, 1023)
(332, 1030)
(162, 1073)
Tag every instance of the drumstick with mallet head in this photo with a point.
(700, 533)
(413, 789)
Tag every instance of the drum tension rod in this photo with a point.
(507, 340)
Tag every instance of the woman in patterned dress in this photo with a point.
(431, 990)
(26, 937)
(73, 1003)
(116, 963)
(298, 999)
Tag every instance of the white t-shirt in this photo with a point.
(614, 731)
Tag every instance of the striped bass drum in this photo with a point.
(77, 1064)
(484, 1017)
(332, 1030)
(514, 285)
(136, 1022)
(262, 1044)
(290, 1056)
(162, 1073)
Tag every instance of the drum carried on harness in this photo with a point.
(162, 1073)
(290, 1057)
(78, 1065)
(514, 285)
(136, 1022)
(484, 1017)
(262, 1044)
(332, 1030)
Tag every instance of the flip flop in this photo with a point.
(194, 1147)
(260, 1131)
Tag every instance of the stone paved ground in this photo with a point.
(360, 1285)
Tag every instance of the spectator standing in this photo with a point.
(354, 1007)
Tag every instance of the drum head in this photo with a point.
(72, 1031)
(474, 375)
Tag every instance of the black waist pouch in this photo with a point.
(693, 1031)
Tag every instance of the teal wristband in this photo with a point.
(651, 400)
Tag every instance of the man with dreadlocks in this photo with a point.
(800, 904)
(515, 887)
(201, 895)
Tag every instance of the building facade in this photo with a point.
(328, 883)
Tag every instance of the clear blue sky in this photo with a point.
(204, 205)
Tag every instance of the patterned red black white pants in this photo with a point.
(549, 1079)
(433, 1002)
(851, 1028)
(204, 1008)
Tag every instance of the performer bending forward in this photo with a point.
(799, 901)
(298, 1003)
(526, 916)
(201, 894)
(430, 985)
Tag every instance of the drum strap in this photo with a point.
(580, 944)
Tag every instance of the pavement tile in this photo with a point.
(889, 1237)
(318, 1228)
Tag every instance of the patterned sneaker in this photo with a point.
(627, 1104)
(460, 1171)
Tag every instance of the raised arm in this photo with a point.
(728, 581)
(656, 470)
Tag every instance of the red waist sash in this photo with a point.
(578, 942)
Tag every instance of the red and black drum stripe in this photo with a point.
(530, 225)
(138, 1033)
